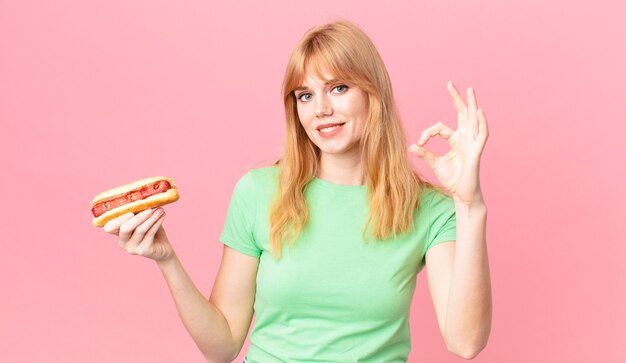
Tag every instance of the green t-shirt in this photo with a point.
(332, 297)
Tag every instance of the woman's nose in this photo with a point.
(322, 107)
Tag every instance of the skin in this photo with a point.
(458, 271)
(458, 169)
(325, 101)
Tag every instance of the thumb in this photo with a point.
(423, 153)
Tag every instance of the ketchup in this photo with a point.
(134, 195)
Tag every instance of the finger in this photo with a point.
(471, 117)
(114, 224)
(139, 234)
(437, 129)
(428, 156)
(471, 101)
(155, 227)
(127, 228)
(148, 239)
(459, 104)
(483, 129)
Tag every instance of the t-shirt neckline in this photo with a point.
(337, 187)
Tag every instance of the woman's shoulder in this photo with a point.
(260, 178)
(263, 173)
(433, 195)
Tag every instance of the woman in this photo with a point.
(324, 247)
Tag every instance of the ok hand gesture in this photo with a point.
(458, 169)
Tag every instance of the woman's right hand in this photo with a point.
(142, 234)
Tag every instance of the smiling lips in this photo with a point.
(327, 130)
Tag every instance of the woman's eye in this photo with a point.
(341, 88)
(304, 97)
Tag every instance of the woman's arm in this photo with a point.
(458, 272)
(205, 323)
(459, 282)
(218, 326)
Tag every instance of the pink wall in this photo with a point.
(96, 93)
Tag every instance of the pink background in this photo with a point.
(98, 93)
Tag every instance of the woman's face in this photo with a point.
(332, 113)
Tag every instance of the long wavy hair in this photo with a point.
(346, 52)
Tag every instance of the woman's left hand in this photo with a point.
(458, 169)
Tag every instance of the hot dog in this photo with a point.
(133, 197)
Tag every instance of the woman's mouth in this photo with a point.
(330, 129)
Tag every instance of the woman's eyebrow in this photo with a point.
(330, 81)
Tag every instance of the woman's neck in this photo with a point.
(341, 169)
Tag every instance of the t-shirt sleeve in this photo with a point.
(238, 232)
(442, 220)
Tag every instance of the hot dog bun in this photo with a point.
(153, 201)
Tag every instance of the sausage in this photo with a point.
(138, 194)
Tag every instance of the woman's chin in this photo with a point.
(338, 150)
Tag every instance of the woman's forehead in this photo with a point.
(315, 75)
